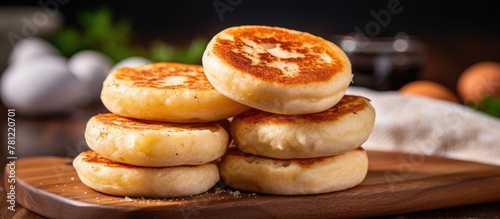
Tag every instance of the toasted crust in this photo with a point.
(293, 176)
(277, 69)
(147, 143)
(334, 131)
(119, 179)
(253, 50)
(167, 92)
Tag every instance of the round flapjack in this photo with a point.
(293, 176)
(119, 179)
(341, 128)
(147, 143)
(276, 69)
(169, 92)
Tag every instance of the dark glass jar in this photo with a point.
(383, 63)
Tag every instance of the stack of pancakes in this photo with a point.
(294, 130)
(167, 127)
(303, 135)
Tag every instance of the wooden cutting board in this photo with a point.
(396, 183)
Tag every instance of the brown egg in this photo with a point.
(429, 89)
(479, 80)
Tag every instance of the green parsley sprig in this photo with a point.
(99, 30)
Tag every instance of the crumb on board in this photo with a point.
(217, 193)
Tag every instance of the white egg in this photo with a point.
(133, 61)
(91, 68)
(41, 85)
(28, 48)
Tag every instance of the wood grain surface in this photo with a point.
(396, 183)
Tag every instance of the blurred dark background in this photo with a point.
(458, 33)
(181, 20)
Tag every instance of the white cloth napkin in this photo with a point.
(426, 126)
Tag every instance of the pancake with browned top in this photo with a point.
(169, 92)
(276, 69)
(293, 176)
(147, 143)
(119, 179)
(339, 129)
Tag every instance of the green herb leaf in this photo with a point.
(100, 31)
(490, 105)
(68, 40)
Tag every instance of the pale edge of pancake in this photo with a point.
(289, 177)
(305, 140)
(147, 182)
(168, 105)
(156, 147)
(273, 97)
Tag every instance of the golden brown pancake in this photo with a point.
(147, 143)
(339, 129)
(293, 176)
(119, 179)
(276, 69)
(169, 92)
